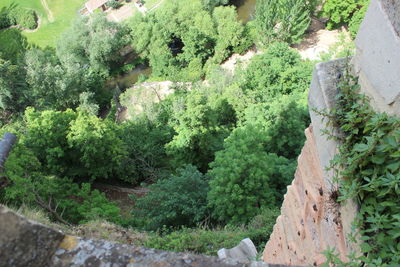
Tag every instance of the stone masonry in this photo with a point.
(310, 221)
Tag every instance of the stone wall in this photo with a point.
(377, 60)
(310, 221)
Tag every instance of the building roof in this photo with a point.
(92, 5)
(121, 13)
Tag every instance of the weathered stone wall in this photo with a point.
(377, 60)
(310, 221)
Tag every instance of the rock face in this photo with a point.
(25, 243)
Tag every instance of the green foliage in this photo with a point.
(113, 4)
(282, 122)
(240, 170)
(13, 45)
(46, 135)
(369, 167)
(146, 156)
(180, 200)
(357, 18)
(74, 144)
(342, 12)
(92, 43)
(12, 87)
(55, 85)
(201, 123)
(283, 20)
(15, 15)
(209, 241)
(211, 4)
(181, 37)
(279, 70)
(25, 18)
(59, 196)
(100, 147)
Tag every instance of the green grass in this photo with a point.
(64, 11)
(149, 4)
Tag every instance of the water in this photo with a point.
(245, 8)
(127, 80)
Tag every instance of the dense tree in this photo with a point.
(181, 37)
(101, 149)
(181, 200)
(92, 43)
(342, 12)
(13, 89)
(279, 70)
(244, 177)
(65, 201)
(210, 4)
(283, 20)
(201, 124)
(54, 85)
(283, 122)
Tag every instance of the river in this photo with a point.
(245, 10)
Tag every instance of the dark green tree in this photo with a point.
(92, 43)
(244, 177)
(180, 200)
(283, 20)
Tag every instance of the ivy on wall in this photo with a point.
(368, 165)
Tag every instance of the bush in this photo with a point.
(277, 71)
(244, 177)
(25, 18)
(61, 197)
(209, 241)
(114, 4)
(4, 21)
(341, 12)
(177, 201)
(283, 20)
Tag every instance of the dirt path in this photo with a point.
(50, 16)
(318, 40)
(156, 6)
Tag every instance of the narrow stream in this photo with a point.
(245, 10)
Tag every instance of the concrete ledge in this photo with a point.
(378, 51)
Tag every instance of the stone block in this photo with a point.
(324, 88)
(378, 49)
(244, 252)
(25, 243)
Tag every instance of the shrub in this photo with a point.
(209, 241)
(244, 177)
(283, 20)
(179, 200)
(341, 11)
(25, 18)
(61, 197)
(4, 20)
(114, 4)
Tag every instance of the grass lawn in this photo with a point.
(149, 4)
(64, 11)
